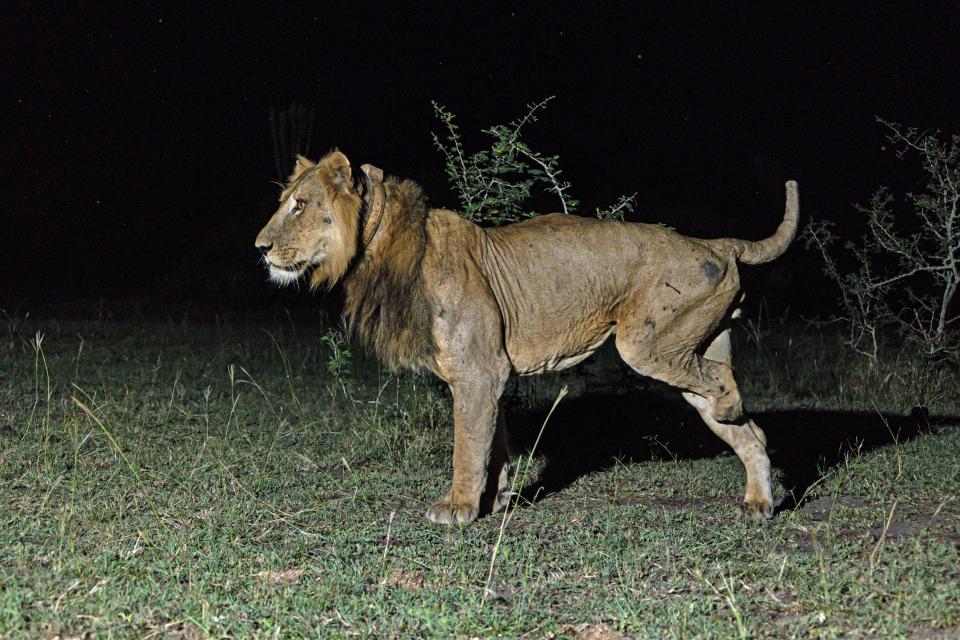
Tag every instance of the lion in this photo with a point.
(426, 289)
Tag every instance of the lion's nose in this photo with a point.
(264, 248)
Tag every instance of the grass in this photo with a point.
(205, 481)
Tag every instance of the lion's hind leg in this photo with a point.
(670, 355)
(745, 438)
(749, 443)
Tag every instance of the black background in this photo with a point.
(137, 154)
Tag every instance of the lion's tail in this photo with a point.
(749, 252)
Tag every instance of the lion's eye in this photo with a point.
(327, 221)
(299, 205)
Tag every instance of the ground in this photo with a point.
(206, 480)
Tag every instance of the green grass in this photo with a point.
(203, 481)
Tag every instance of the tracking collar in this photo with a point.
(378, 200)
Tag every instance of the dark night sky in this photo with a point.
(136, 149)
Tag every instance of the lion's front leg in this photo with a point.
(475, 431)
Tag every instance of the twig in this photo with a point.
(883, 536)
(513, 485)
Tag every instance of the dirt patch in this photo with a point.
(393, 542)
(816, 540)
(290, 576)
(802, 542)
(408, 579)
(600, 631)
(182, 630)
(909, 528)
(819, 509)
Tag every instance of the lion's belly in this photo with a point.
(559, 282)
(530, 355)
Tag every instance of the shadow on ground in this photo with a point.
(591, 432)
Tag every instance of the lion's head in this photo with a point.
(316, 227)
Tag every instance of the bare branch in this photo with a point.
(907, 266)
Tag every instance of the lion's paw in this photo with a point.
(445, 512)
(501, 500)
(756, 510)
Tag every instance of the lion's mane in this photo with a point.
(386, 305)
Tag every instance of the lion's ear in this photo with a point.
(336, 165)
(301, 165)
